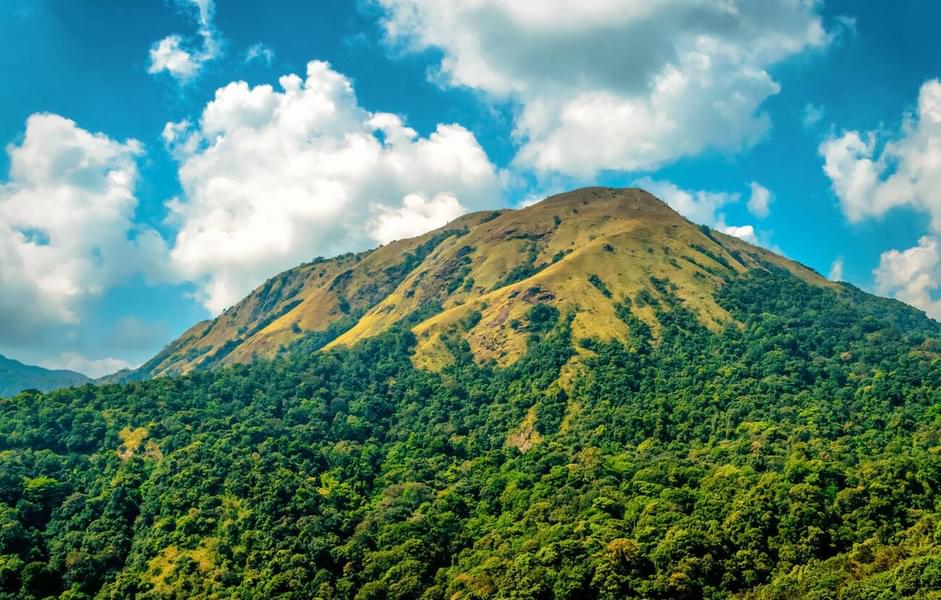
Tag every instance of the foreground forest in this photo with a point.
(792, 454)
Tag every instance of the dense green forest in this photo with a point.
(794, 454)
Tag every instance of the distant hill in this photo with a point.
(16, 377)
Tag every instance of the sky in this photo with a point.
(164, 157)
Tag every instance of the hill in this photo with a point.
(661, 412)
(581, 252)
(16, 377)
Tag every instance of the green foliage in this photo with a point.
(792, 455)
(599, 284)
(542, 317)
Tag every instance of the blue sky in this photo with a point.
(119, 231)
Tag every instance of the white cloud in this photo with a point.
(98, 367)
(697, 206)
(742, 232)
(836, 270)
(614, 84)
(168, 55)
(415, 216)
(905, 171)
(66, 225)
(912, 275)
(871, 175)
(259, 52)
(183, 59)
(272, 178)
(759, 203)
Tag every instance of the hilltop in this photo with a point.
(581, 252)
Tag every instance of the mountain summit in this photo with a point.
(581, 253)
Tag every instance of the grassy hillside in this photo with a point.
(16, 377)
(775, 438)
(582, 251)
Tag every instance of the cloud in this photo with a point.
(73, 361)
(742, 232)
(614, 84)
(168, 55)
(912, 275)
(870, 177)
(415, 216)
(66, 225)
(259, 52)
(759, 203)
(697, 206)
(811, 115)
(184, 58)
(836, 270)
(272, 178)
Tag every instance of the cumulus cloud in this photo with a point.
(912, 275)
(870, 176)
(66, 225)
(759, 203)
(184, 58)
(416, 215)
(614, 84)
(273, 177)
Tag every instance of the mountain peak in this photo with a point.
(586, 253)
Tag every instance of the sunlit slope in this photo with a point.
(308, 298)
(588, 253)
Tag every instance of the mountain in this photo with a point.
(581, 251)
(15, 377)
(587, 398)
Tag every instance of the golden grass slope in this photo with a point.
(583, 252)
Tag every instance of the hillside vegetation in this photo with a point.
(751, 432)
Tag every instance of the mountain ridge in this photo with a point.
(16, 376)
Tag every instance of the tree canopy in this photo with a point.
(795, 453)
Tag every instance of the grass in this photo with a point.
(161, 568)
(131, 440)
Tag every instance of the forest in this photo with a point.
(795, 453)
